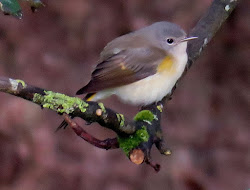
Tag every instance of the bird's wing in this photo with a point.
(124, 67)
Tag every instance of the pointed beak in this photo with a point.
(188, 38)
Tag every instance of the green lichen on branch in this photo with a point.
(129, 143)
(22, 82)
(59, 102)
(159, 107)
(15, 82)
(145, 115)
(102, 107)
(121, 119)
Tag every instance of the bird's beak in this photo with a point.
(188, 38)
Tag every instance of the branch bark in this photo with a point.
(137, 136)
(207, 27)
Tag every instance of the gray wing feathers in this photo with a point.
(124, 67)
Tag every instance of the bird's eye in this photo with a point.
(170, 40)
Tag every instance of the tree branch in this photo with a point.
(135, 137)
(132, 134)
(89, 111)
(106, 144)
(207, 27)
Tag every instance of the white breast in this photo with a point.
(155, 87)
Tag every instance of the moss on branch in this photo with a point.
(60, 102)
(128, 143)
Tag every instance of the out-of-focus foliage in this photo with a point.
(12, 7)
(35, 4)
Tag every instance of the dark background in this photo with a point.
(206, 124)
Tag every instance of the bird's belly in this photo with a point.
(148, 90)
(154, 88)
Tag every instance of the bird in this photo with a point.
(140, 67)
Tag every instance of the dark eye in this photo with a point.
(170, 40)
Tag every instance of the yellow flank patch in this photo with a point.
(167, 65)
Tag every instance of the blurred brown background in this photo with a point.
(206, 124)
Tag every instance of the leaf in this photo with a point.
(35, 4)
(11, 7)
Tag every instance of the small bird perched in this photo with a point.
(140, 67)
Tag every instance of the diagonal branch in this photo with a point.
(89, 111)
(208, 26)
(140, 133)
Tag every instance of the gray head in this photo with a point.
(166, 34)
(163, 29)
